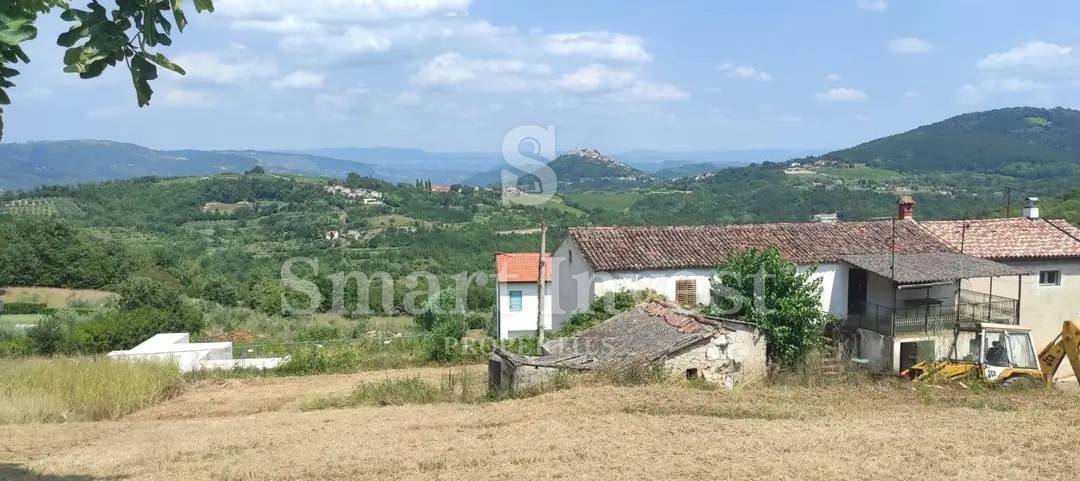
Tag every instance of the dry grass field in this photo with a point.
(256, 429)
(55, 297)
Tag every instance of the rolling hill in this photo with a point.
(573, 166)
(1022, 142)
(30, 164)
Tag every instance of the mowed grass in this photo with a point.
(617, 201)
(853, 429)
(86, 389)
(55, 297)
(861, 172)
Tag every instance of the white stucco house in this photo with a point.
(893, 283)
(517, 302)
(1046, 250)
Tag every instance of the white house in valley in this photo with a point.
(896, 284)
(517, 306)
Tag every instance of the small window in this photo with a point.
(686, 292)
(1050, 278)
(515, 301)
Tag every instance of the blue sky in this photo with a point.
(456, 75)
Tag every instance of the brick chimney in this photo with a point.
(907, 208)
(1031, 208)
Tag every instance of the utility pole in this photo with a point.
(1008, 202)
(540, 281)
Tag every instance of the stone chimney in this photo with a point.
(1031, 208)
(907, 208)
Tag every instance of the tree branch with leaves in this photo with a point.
(98, 38)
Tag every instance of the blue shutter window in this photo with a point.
(515, 301)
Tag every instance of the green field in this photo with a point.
(618, 201)
(12, 320)
(861, 172)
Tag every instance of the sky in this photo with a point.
(457, 75)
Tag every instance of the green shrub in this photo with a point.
(444, 343)
(12, 344)
(117, 330)
(318, 334)
(48, 336)
(139, 292)
(787, 310)
(455, 387)
(26, 308)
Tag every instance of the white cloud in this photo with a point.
(595, 77)
(978, 93)
(408, 99)
(744, 72)
(452, 69)
(345, 11)
(874, 5)
(181, 98)
(833, 77)
(219, 68)
(909, 45)
(1037, 54)
(617, 85)
(601, 45)
(300, 79)
(645, 91)
(842, 94)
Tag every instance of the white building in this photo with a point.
(897, 298)
(1047, 251)
(517, 300)
(178, 348)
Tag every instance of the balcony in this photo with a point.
(928, 316)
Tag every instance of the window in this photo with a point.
(515, 301)
(686, 292)
(1049, 278)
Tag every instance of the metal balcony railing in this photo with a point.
(939, 314)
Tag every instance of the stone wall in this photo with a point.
(726, 359)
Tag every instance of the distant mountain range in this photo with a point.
(26, 165)
(1023, 142)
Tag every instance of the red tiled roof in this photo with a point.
(521, 267)
(681, 247)
(1009, 238)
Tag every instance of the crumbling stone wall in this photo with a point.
(726, 359)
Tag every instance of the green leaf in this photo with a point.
(142, 72)
(70, 37)
(18, 34)
(4, 99)
(178, 14)
(204, 6)
(164, 62)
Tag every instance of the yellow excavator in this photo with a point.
(1003, 355)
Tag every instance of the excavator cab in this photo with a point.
(998, 353)
(1007, 351)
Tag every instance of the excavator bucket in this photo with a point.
(1067, 344)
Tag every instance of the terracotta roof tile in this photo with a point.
(1009, 238)
(520, 267)
(681, 247)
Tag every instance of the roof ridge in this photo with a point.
(1049, 221)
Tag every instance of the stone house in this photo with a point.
(681, 341)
